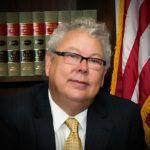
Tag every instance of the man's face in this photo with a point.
(75, 83)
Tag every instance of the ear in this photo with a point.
(47, 63)
(103, 77)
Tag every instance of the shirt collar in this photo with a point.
(57, 112)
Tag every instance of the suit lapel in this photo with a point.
(99, 127)
(45, 134)
(43, 122)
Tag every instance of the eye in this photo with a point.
(95, 61)
(73, 55)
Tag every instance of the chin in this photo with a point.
(78, 94)
(79, 97)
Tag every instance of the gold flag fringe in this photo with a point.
(118, 47)
(145, 113)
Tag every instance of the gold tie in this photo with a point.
(73, 141)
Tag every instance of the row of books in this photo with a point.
(24, 36)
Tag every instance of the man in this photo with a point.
(75, 64)
(8, 140)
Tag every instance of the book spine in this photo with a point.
(51, 22)
(75, 14)
(39, 42)
(13, 44)
(3, 45)
(26, 44)
(90, 14)
(64, 16)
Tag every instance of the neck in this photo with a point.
(72, 108)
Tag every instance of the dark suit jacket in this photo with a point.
(112, 123)
(8, 140)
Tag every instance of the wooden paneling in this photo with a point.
(37, 5)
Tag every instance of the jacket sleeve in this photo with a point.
(137, 137)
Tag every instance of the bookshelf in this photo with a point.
(105, 12)
(7, 79)
(9, 85)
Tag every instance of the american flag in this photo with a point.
(131, 74)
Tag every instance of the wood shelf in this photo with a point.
(15, 84)
(8, 79)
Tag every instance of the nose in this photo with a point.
(83, 66)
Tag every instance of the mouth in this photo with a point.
(79, 84)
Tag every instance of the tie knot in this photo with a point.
(72, 124)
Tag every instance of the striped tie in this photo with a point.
(73, 141)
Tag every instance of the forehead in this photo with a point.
(81, 40)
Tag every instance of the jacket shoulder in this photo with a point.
(114, 104)
(23, 101)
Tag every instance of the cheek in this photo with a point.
(59, 72)
(97, 79)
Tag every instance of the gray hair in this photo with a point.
(95, 30)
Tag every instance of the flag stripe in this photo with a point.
(118, 88)
(128, 65)
(131, 70)
(144, 55)
(129, 10)
(144, 84)
(127, 3)
(144, 50)
(133, 81)
(130, 27)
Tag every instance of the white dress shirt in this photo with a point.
(60, 129)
